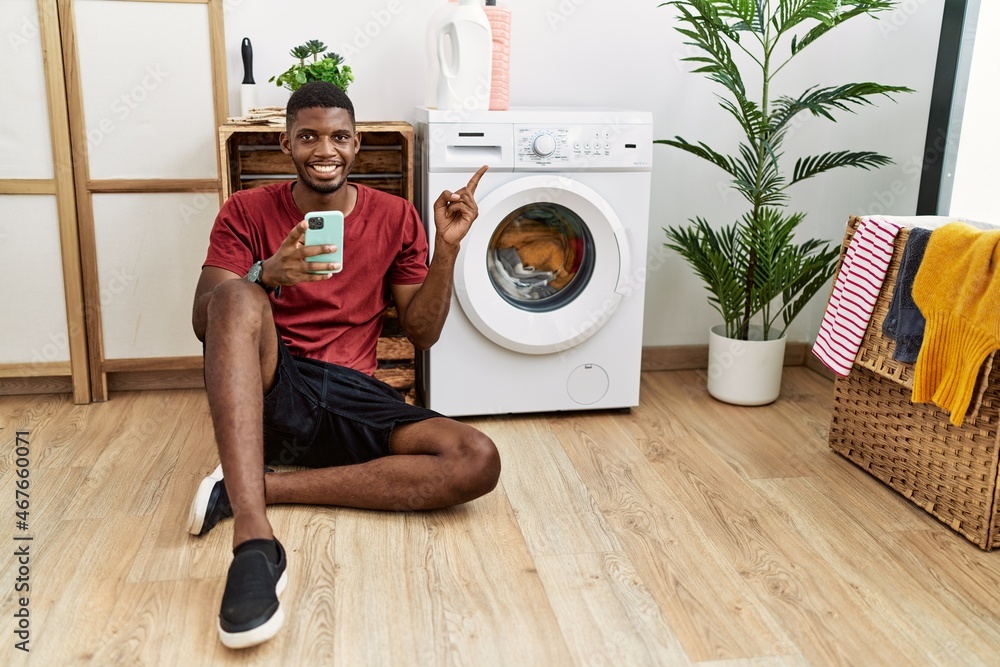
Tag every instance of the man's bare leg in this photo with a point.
(435, 463)
(241, 357)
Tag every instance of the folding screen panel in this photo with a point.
(145, 105)
(43, 345)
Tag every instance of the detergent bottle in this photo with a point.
(465, 59)
(499, 17)
(434, 25)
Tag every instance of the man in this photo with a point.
(294, 350)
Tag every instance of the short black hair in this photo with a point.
(317, 94)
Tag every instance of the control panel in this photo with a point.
(582, 147)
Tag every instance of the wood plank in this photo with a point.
(394, 349)
(40, 385)
(437, 588)
(737, 432)
(555, 511)
(79, 437)
(28, 186)
(154, 185)
(606, 614)
(712, 610)
(68, 617)
(368, 161)
(220, 81)
(134, 637)
(36, 370)
(105, 490)
(84, 203)
(311, 597)
(397, 378)
(791, 580)
(158, 380)
(169, 552)
(154, 364)
(888, 593)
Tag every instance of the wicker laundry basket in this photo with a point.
(949, 471)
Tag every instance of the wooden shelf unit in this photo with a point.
(252, 157)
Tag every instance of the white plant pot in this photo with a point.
(744, 372)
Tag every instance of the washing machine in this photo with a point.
(547, 308)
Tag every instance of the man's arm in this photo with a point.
(423, 308)
(287, 266)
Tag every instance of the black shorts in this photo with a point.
(320, 415)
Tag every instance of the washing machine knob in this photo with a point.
(544, 145)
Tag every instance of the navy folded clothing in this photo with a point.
(904, 322)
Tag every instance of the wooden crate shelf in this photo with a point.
(252, 157)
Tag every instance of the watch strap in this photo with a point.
(258, 279)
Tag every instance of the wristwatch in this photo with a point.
(256, 275)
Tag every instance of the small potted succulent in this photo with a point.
(328, 68)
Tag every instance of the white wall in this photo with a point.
(626, 54)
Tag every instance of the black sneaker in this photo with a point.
(251, 612)
(210, 504)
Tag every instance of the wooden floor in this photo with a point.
(684, 532)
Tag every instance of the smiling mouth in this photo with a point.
(325, 168)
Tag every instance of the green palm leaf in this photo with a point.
(822, 101)
(847, 10)
(807, 167)
(791, 13)
(702, 150)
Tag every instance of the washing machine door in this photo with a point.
(544, 265)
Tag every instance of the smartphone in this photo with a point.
(326, 228)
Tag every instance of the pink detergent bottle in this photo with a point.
(499, 17)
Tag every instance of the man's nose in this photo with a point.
(326, 146)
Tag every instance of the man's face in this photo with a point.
(323, 144)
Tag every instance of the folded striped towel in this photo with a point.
(855, 292)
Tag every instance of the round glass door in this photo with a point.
(544, 265)
(540, 257)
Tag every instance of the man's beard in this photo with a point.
(325, 187)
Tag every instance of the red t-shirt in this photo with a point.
(337, 320)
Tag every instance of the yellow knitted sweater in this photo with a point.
(957, 288)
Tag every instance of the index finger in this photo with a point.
(476, 177)
(297, 232)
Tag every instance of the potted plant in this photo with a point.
(327, 68)
(759, 276)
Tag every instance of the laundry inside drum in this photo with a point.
(541, 257)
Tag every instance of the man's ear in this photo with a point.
(285, 143)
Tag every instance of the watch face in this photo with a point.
(254, 274)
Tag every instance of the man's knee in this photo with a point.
(236, 300)
(478, 465)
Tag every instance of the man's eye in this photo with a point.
(342, 138)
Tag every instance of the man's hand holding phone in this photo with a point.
(304, 255)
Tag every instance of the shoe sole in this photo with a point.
(262, 632)
(196, 515)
